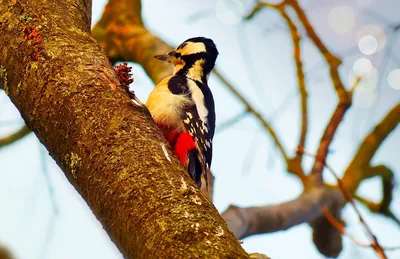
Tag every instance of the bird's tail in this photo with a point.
(190, 157)
(194, 166)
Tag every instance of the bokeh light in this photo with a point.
(368, 81)
(368, 45)
(393, 78)
(362, 67)
(230, 12)
(375, 31)
(341, 19)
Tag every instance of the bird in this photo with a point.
(182, 105)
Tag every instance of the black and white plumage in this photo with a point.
(183, 104)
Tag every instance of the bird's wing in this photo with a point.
(197, 127)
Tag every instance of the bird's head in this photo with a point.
(195, 58)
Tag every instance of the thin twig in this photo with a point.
(340, 227)
(281, 108)
(344, 97)
(47, 178)
(19, 134)
(344, 232)
(249, 157)
(237, 118)
(374, 241)
(330, 130)
(333, 63)
(300, 77)
(376, 208)
(252, 110)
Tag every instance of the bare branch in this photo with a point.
(19, 134)
(387, 182)
(256, 114)
(324, 232)
(293, 164)
(110, 151)
(296, 37)
(249, 221)
(374, 241)
(225, 125)
(333, 62)
(258, 256)
(375, 208)
(339, 226)
(330, 130)
(359, 166)
(125, 38)
(5, 253)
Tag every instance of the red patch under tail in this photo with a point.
(185, 149)
(181, 142)
(184, 144)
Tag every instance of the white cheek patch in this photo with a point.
(193, 48)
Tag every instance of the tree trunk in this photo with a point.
(110, 150)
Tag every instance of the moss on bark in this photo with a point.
(67, 92)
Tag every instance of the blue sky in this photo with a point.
(43, 216)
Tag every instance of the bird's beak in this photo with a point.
(167, 57)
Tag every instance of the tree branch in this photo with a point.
(232, 121)
(349, 198)
(344, 97)
(296, 37)
(387, 183)
(19, 134)
(359, 167)
(255, 113)
(326, 237)
(120, 42)
(125, 38)
(112, 153)
(376, 208)
(249, 221)
(333, 63)
(5, 253)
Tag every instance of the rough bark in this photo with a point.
(118, 32)
(66, 90)
(122, 34)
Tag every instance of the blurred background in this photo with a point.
(42, 216)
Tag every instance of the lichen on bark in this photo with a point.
(67, 92)
(3, 79)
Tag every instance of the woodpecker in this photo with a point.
(182, 105)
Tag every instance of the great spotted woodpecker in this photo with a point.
(182, 105)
